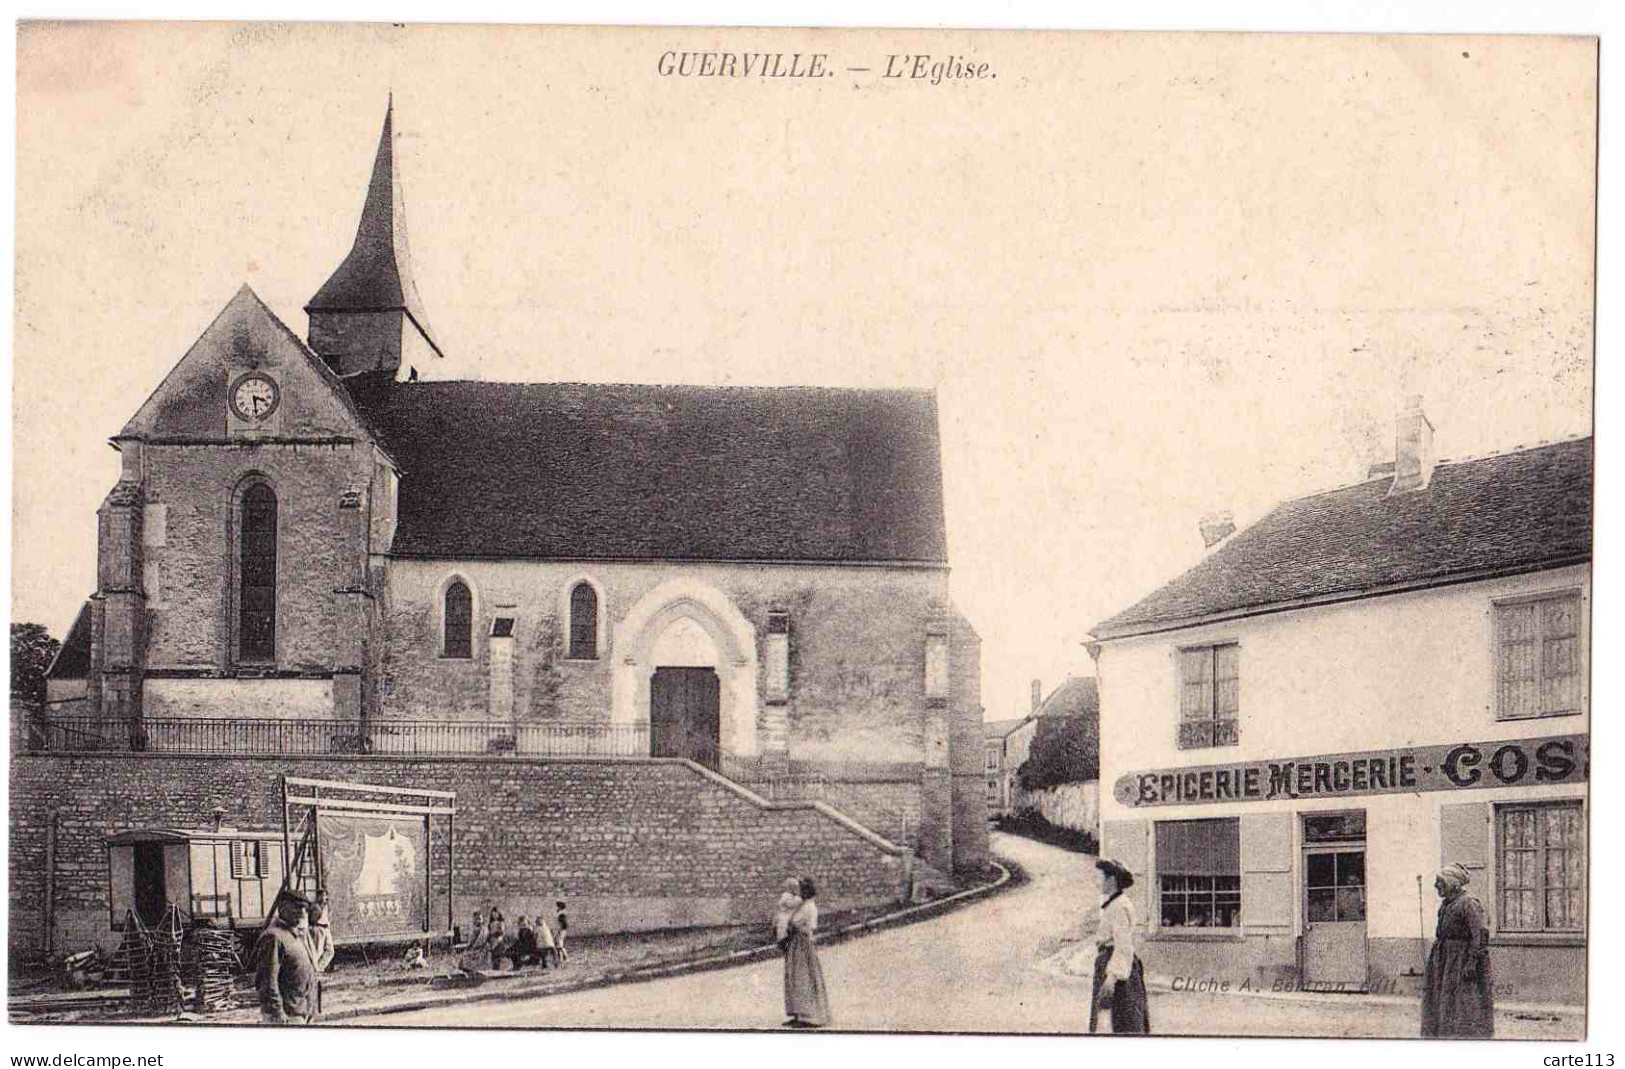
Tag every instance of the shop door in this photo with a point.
(1334, 946)
(685, 715)
(150, 898)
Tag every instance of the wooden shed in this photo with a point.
(228, 875)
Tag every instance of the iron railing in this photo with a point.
(232, 735)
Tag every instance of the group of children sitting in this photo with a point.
(530, 943)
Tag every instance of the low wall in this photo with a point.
(1070, 805)
(631, 844)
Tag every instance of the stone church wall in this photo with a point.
(188, 572)
(630, 844)
(857, 642)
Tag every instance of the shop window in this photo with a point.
(459, 622)
(1537, 657)
(1540, 875)
(583, 622)
(1199, 873)
(1209, 696)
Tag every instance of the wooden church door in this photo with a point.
(685, 715)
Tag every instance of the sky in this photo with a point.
(1149, 276)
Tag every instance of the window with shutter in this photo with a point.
(1209, 696)
(583, 623)
(1540, 871)
(1198, 865)
(1537, 657)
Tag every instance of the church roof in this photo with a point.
(377, 275)
(72, 660)
(1496, 515)
(578, 471)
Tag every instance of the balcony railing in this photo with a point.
(229, 735)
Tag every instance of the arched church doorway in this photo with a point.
(685, 714)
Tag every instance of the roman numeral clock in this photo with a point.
(253, 403)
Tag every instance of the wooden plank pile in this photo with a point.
(216, 963)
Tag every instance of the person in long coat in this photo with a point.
(285, 973)
(1119, 976)
(1457, 1000)
(806, 999)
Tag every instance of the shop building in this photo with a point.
(1361, 687)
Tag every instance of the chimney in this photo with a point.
(1413, 449)
(1038, 694)
(1216, 527)
(219, 817)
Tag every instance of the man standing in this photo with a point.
(284, 969)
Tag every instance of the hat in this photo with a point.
(295, 896)
(1124, 878)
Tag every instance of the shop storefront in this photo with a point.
(1316, 872)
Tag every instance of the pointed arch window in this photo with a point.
(583, 622)
(256, 614)
(459, 620)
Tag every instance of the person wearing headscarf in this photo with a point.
(1119, 975)
(1457, 999)
(806, 999)
(789, 902)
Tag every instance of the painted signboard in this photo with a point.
(375, 872)
(1449, 767)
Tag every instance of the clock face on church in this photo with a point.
(254, 396)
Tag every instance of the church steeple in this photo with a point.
(368, 316)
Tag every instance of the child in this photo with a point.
(544, 938)
(789, 902)
(496, 938)
(524, 950)
(562, 953)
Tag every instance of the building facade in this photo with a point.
(313, 549)
(1360, 688)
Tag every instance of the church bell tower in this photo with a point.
(367, 319)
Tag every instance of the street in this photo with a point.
(1007, 964)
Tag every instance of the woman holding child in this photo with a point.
(806, 1000)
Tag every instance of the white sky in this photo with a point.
(1148, 276)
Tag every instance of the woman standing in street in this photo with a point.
(806, 1000)
(1119, 976)
(1457, 999)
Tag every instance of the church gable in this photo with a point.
(248, 376)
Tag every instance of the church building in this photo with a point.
(315, 547)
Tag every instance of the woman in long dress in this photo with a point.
(806, 1000)
(1457, 998)
(1119, 976)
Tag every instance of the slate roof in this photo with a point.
(72, 660)
(663, 472)
(1501, 514)
(377, 274)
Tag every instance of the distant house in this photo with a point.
(1009, 742)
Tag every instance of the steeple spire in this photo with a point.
(374, 280)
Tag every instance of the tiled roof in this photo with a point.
(1490, 515)
(664, 472)
(998, 729)
(1078, 696)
